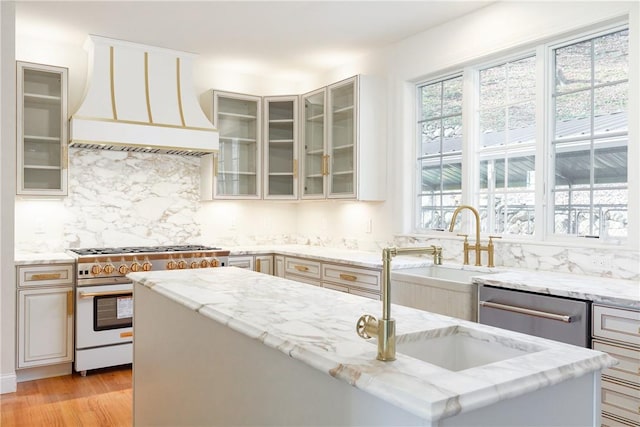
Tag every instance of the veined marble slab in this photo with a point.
(597, 289)
(317, 326)
(353, 257)
(21, 258)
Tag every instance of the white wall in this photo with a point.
(7, 194)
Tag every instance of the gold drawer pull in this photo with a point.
(126, 334)
(349, 277)
(46, 276)
(301, 268)
(258, 266)
(69, 303)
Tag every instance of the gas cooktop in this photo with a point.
(141, 250)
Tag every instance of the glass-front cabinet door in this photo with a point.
(237, 166)
(281, 143)
(315, 160)
(342, 138)
(42, 129)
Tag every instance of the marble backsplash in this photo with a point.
(135, 199)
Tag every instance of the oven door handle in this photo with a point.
(527, 311)
(104, 294)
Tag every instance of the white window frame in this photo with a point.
(544, 113)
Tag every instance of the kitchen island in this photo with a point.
(228, 346)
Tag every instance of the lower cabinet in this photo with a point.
(259, 263)
(45, 326)
(278, 265)
(338, 277)
(616, 331)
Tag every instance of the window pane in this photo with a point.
(573, 165)
(452, 128)
(431, 132)
(431, 101)
(521, 172)
(522, 123)
(493, 87)
(610, 165)
(520, 214)
(492, 127)
(610, 106)
(431, 177)
(452, 176)
(611, 57)
(572, 115)
(522, 79)
(573, 67)
(452, 96)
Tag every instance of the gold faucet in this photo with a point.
(385, 329)
(477, 248)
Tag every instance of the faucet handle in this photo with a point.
(463, 235)
(493, 237)
(367, 326)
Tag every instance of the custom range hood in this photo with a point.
(140, 98)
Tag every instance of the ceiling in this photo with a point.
(281, 38)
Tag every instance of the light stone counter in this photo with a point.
(43, 258)
(343, 256)
(316, 326)
(597, 289)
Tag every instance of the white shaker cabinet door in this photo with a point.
(45, 326)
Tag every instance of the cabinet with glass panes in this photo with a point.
(42, 129)
(281, 147)
(237, 166)
(343, 149)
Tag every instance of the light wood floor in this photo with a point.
(102, 398)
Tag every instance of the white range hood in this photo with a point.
(141, 98)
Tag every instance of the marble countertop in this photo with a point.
(22, 258)
(317, 326)
(596, 289)
(353, 257)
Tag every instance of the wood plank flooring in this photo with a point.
(103, 398)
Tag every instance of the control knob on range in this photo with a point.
(204, 263)
(171, 265)
(182, 264)
(215, 262)
(123, 269)
(194, 264)
(96, 269)
(135, 267)
(146, 266)
(108, 269)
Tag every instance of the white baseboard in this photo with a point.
(8, 383)
(41, 372)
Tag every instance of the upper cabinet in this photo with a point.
(237, 166)
(338, 131)
(342, 140)
(281, 147)
(42, 129)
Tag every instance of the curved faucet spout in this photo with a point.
(475, 213)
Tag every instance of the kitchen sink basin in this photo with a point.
(458, 348)
(437, 272)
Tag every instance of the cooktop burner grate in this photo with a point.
(141, 249)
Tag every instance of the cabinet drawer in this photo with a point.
(628, 368)
(335, 287)
(616, 324)
(365, 294)
(45, 275)
(349, 276)
(302, 267)
(303, 279)
(608, 421)
(621, 401)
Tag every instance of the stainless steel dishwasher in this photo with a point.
(557, 318)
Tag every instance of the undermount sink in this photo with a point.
(438, 272)
(457, 348)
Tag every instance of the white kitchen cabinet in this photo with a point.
(616, 331)
(237, 167)
(278, 265)
(45, 316)
(303, 270)
(343, 150)
(281, 147)
(259, 263)
(41, 129)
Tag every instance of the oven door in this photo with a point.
(104, 315)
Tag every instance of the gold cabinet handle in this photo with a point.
(349, 277)
(258, 265)
(65, 156)
(126, 334)
(215, 166)
(295, 168)
(69, 303)
(46, 276)
(325, 165)
(301, 268)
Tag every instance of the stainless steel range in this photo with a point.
(104, 296)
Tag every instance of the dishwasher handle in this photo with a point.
(527, 311)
